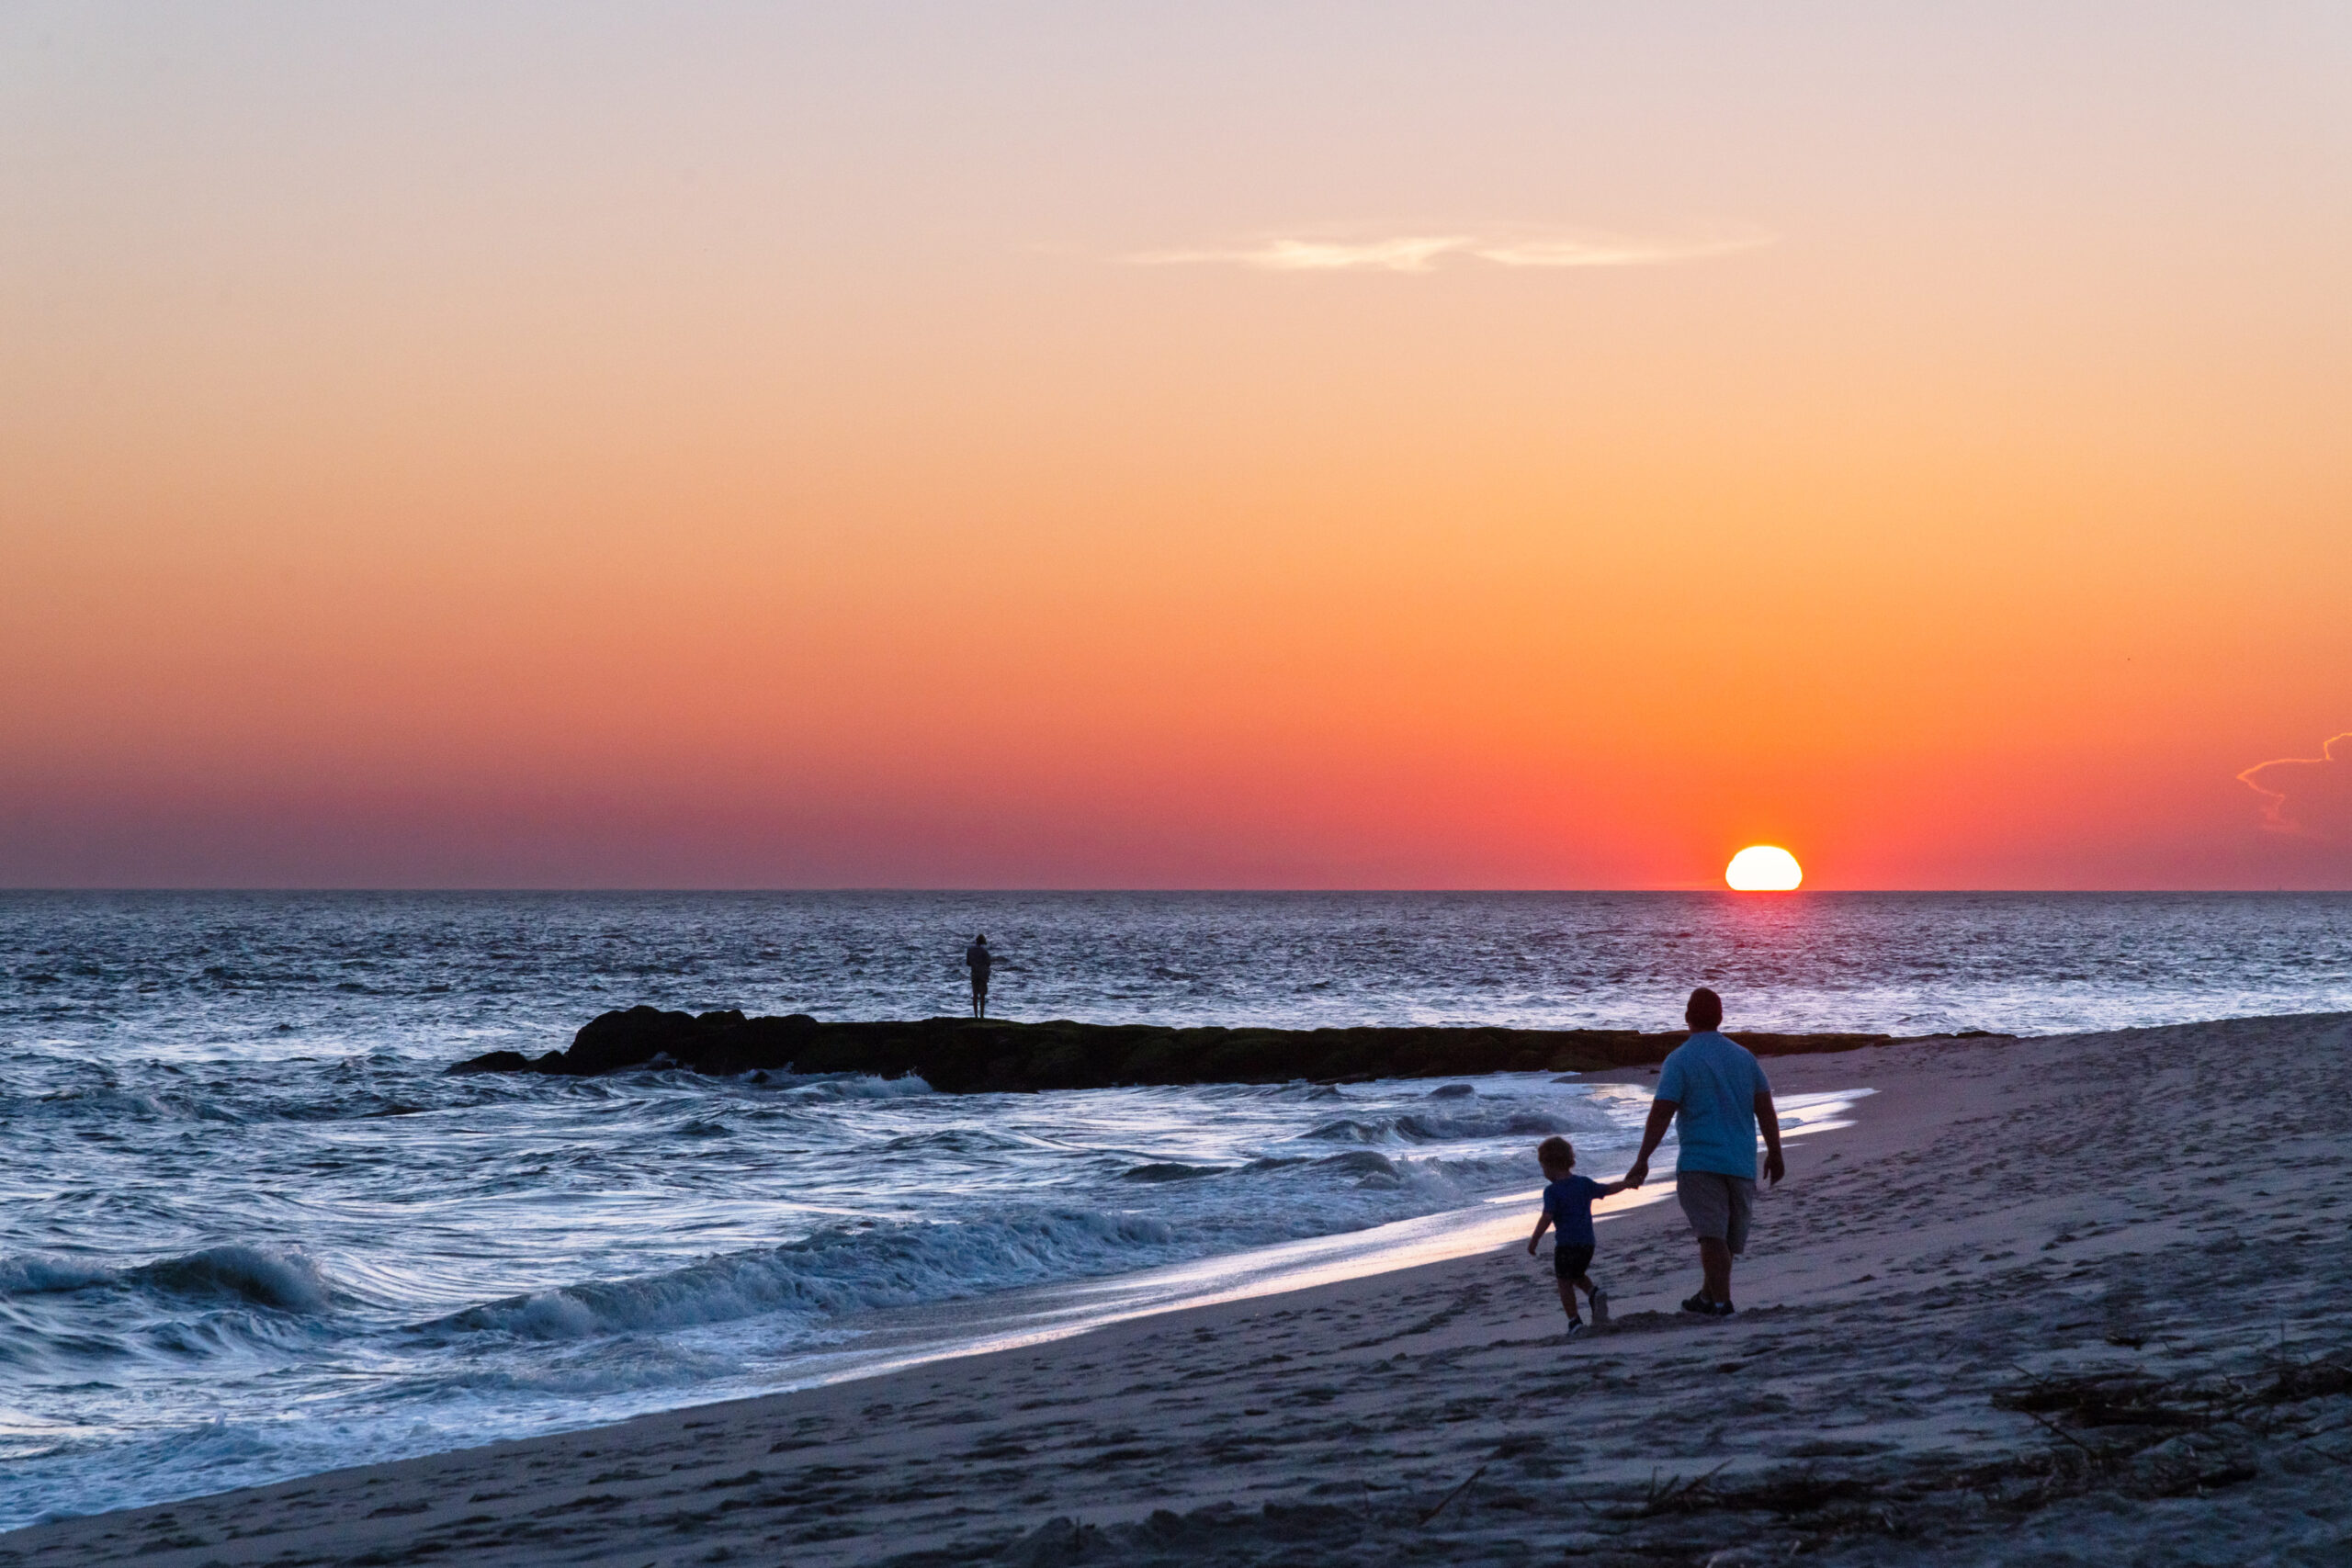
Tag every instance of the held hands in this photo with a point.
(1638, 1172)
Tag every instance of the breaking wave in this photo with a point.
(251, 1275)
(835, 1273)
(1430, 1128)
(248, 1276)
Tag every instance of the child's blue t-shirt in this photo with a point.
(1569, 1202)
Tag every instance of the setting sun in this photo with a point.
(1763, 868)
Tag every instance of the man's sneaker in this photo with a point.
(1721, 1309)
(1700, 1304)
(1576, 1327)
(1599, 1307)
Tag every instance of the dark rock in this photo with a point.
(960, 1055)
(616, 1040)
(496, 1062)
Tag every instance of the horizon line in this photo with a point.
(910, 890)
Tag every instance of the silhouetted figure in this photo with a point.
(1717, 1089)
(979, 961)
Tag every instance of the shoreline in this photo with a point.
(858, 1340)
(900, 1338)
(1997, 1217)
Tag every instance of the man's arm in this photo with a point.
(1768, 1120)
(1661, 1118)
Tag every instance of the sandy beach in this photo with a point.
(2052, 1301)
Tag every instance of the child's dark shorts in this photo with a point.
(1571, 1262)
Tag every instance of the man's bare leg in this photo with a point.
(1714, 1258)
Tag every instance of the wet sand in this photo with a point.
(2075, 1300)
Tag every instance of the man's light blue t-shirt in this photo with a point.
(1715, 1082)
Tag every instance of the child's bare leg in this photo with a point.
(1584, 1283)
(1568, 1299)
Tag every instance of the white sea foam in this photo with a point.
(851, 1085)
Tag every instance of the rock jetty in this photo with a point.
(958, 1056)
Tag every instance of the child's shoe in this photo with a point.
(1599, 1308)
(1700, 1304)
(1576, 1328)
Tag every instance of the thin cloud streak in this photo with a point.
(1423, 253)
(1412, 252)
(1591, 253)
(2310, 798)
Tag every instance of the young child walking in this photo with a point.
(1567, 1204)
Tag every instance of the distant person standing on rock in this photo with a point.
(1718, 1088)
(979, 961)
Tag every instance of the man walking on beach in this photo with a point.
(979, 961)
(1719, 1089)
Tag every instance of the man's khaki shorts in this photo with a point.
(1717, 1206)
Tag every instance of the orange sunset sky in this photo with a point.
(1447, 445)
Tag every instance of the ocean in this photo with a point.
(251, 1230)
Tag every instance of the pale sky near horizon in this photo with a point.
(1268, 445)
